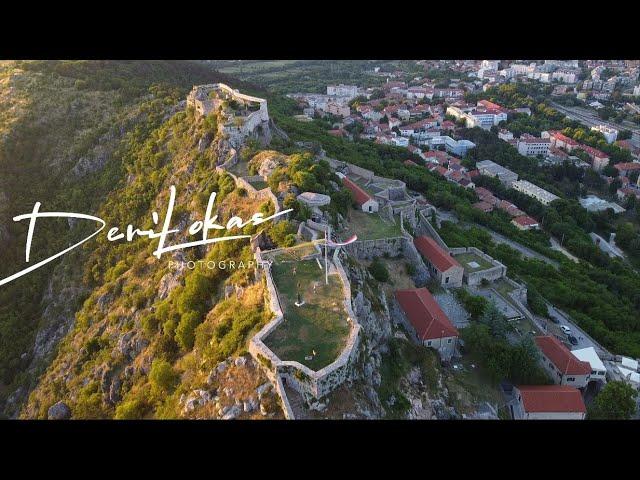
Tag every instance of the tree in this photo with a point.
(624, 134)
(185, 331)
(616, 401)
(163, 377)
(378, 270)
(495, 320)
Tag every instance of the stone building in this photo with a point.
(439, 262)
(560, 364)
(426, 321)
(548, 402)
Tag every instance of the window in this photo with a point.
(571, 379)
(449, 341)
(429, 343)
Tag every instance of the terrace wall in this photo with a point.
(243, 182)
(474, 278)
(369, 249)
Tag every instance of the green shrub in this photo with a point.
(130, 410)
(379, 270)
(185, 331)
(163, 377)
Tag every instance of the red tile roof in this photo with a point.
(483, 193)
(551, 398)
(627, 166)
(484, 206)
(593, 152)
(360, 196)
(440, 259)
(425, 314)
(561, 356)
(525, 221)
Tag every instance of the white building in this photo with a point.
(610, 134)
(505, 135)
(350, 91)
(533, 146)
(534, 191)
(492, 169)
(478, 118)
(598, 369)
(565, 76)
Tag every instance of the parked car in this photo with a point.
(573, 340)
(554, 319)
(566, 330)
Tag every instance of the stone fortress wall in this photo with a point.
(311, 384)
(201, 100)
(497, 271)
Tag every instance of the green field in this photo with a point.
(466, 258)
(503, 288)
(370, 226)
(319, 325)
(258, 184)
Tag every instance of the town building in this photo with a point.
(548, 402)
(440, 263)
(624, 169)
(531, 190)
(349, 91)
(610, 134)
(505, 135)
(429, 325)
(492, 169)
(525, 222)
(530, 146)
(560, 364)
(589, 355)
(337, 109)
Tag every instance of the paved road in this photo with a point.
(556, 246)
(584, 340)
(526, 251)
(590, 118)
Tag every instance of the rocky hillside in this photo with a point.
(109, 138)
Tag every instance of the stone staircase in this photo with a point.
(297, 404)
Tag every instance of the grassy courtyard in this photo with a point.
(319, 325)
(370, 226)
(465, 259)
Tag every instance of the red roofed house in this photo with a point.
(563, 367)
(430, 325)
(548, 402)
(599, 159)
(525, 223)
(442, 265)
(560, 140)
(362, 198)
(625, 168)
(483, 206)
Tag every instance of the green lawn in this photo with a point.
(319, 325)
(466, 258)
(370, 226)
(258, 184)
(503, 288)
